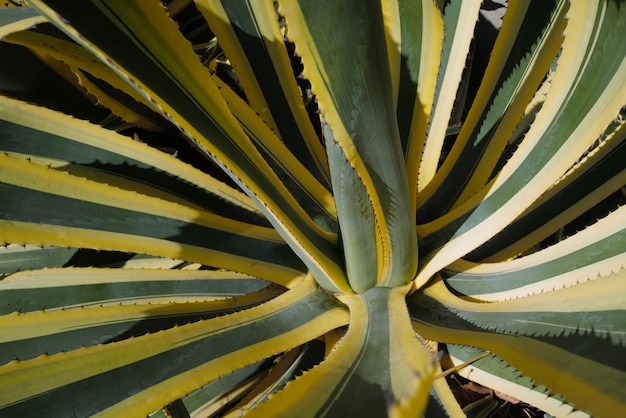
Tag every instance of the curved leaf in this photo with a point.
(250, 35)
(68, 144)
(579, 107)
(165, 69)
(45, 207)
(62, 288)
(414, 32)
(28, 335)
(519, 61)
(592, 308)
(175, 361)
(459, 21)
(587, 371)
(495, 373)
(30, 257)
(379, 328)
(593, 179)
(17, 19)
(596, 251)
(76, 57)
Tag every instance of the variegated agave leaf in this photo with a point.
(297, 208)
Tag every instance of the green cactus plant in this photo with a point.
(299, 208)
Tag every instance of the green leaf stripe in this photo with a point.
(31, 257)
(18, 18)
(355, 96)
(507, 276)
(63, 211)
(64, 333)
(15, 138)
(71, 287)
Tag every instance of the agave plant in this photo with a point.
(311, 208)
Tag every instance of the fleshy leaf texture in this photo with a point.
(217, 208)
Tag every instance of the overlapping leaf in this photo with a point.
(181, 89)
(579, 107)
(178, 360)
(389, 77)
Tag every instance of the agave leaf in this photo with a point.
(578, 108)
(596, 251)
(592, 180)
(214, 395)
(518, 63)
(379, 328)
(583, 309)
(183, 92)
(69, 144)
(308, 190)
(186, 358)
(18, 19)
(337, 267)
(32, 80)
(126, 112)
(497, 374)
(61, 288)
(76, 57)
(414, 34)
(122, 106)
(54, 51)
(283, 370)
(362, 132)
(102, 84)
(358, 233)
(28, 335)
(30, 257)
(586, 370)
(253, 43)
(15, 258)
(459, 22)
(127, 221)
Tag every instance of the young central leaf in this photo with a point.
(369, 180)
